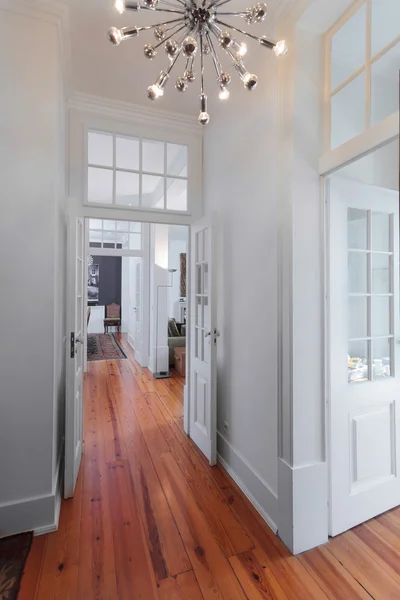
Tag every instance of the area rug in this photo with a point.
(14, 551)
(103, 346)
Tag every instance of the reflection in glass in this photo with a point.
(381, 232)
(348, 112)
(357, 317)
(385, 85)
(380, 273)
(345, 62)
(135, 241)
(381, 358)
(385, 19)
(357, 272)
(357, 229)
(152, 191)
(100, 185)
(153, 156)
(127, 153)
(177, 160)
(381, 316)
(176, 194)
(100, 149)
(357, 362)
(127, 188)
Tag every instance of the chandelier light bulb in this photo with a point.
(204, 118)
(159, 32)
(119, 6)
(250, 81)
(171, 48)
(224, 93)
(240, 49)
(225, 39)
(225, 79)
(189, 46)
(181, 84)
(115, 36)
(281, 48)
(152, 4)
(149, 51)
(154, 91)
(189, 75)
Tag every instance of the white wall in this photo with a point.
(176, 247)
(32, 273)
(240, 190)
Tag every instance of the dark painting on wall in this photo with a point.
(93, 283)
(183, 274)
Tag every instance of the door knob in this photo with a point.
(79, 339)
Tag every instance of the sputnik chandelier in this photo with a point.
(201, 31)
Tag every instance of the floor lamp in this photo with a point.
(162, 374)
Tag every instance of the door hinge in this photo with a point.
(72, 341)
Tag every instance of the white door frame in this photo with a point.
(88, 212)
(363, 145)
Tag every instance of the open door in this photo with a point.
(364, 351)
(203, 342)
(74, 355)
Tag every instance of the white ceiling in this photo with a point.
(123, 73)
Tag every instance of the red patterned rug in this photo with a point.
(14, 551)
(103, 346)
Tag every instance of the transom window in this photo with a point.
(111, 234)
(137, 173)
(363, 70)
(370, 295)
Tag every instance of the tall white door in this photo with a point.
(74, 367)
(364, 353)
(203, 342)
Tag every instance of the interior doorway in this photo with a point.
(363, 337)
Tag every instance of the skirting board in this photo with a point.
(39, 514)
(254, 488)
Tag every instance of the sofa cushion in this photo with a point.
(173, 330)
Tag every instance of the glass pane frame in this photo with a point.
(175, 171)
(367, 366)
(371, 60)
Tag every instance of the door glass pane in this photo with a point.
(95, 236)
(357, 229)
(380, 273)
(381, 232)
(385, 19)
(127, 153)
(135, 241)
(348, 112)
(109, 237)
(357, 317)
(152, 191)
(95, 224)
(348, 48)
(153, 156)
(109, 225)
(122, 240)
(385, 84)
(357, 271)
(122, 225)
(176, 194)
(135, 227)
(357, 362)
(381, 316)
(100, 149)
(177, 160)
(381, 358)
(100, 185)
(127, 188)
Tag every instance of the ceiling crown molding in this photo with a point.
(49, 11)
(133, 112)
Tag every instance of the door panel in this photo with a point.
(203, 342)
(74, 366)
(364, 353)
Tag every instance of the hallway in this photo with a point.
(151, 520)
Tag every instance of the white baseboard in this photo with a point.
(39, 514)
(303, 514)
(251, 483)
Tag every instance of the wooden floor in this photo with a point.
(151, 520)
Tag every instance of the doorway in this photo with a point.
(363, 337)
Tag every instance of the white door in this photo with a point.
(74, 367)
(203, 342)
(364, 352)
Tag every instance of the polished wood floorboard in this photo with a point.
(151, 520)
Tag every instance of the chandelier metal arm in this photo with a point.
(170, 4)
(217, 64)
(266, 42)
(232, 14)
(148, 27)
(217, 3)
(168, 10)
(169, 37)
